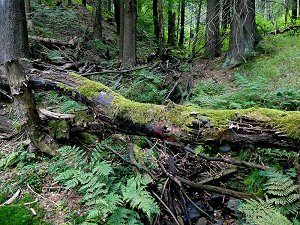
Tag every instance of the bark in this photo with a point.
(84, 3)
(155, 18)
(182, 19)
(129, 42)
(197, 29)
(69, 2)
(51, 41)
(161, 40)
(225, 14)
(121, 36)
(13, 45)
(13, 30)
(176, 123)
(97, 19)
(28, 15)
(243, 35)
(171, 25)
(117, 14)
(212, 43)
(294, 4)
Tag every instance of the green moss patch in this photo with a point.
(17, 215)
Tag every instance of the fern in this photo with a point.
(103, 191)
(262, 213)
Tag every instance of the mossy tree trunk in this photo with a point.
(177, 123)
(13, 46)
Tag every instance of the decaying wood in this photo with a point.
(281, 31)
(54, 115)
(51, 41)
(175, 123)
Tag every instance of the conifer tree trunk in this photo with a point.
(117, 14)
(155, 18)
(212, 43)
(294, 5)
(129, 41)
(28, 15)
(171, 25)
(243, 35)
(84, 3)
(97, 19)
(69, 2)
(197, 29)
(161, 28)
(182, 26)
(225, 14)
(13, 46)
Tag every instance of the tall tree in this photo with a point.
(171, 25)
(117, 14)
(294, 4)
(28, 15)
(84, 3)
(155, 18)
(161, 39)
(212, 33)
(197, 29)
(182, 20)
(243, 35)
(13, 46)
(129, 33)
(225, 14)
(97, 27)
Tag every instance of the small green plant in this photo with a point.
(281, 200)
(145, 88)
(111, 199)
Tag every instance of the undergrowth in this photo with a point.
(271, 81)
(111, 198)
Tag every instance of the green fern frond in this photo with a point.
(285, 200)
(262, 213)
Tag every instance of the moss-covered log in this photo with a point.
(177, 123)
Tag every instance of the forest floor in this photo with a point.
(269, 79)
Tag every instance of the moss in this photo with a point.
(87, 138)
(3, 197)
(65, 87)
(179, 116)
(59, 129)
(17, 215)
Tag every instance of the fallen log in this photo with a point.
(281, 31)
(51, 41)
(177, 123)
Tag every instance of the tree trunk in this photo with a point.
(13, 46)
(177, 123)
(243, 35)
(28, 15)
(294, 4)
(225, 14)
(97, 19)
(84, 3)
(69, 2)
(171, 25)
(197, 29)
(129, 43)
(155, 18)
(181, 37)
(117, 14)
(161, 39)
(212, 41)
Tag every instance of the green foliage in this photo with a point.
(262, 213)
(64, 104)
(144, 88)
(111, 199)
(17, 215)
(282, 199)
(270, 81)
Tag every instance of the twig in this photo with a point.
(11, 199)
(229, 161)
(223, 191)
(38, 195)
(167, 208)
(218, 176)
